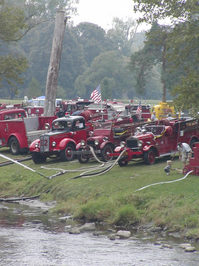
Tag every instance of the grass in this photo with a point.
(111, 198)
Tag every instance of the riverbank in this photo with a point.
(111, 199)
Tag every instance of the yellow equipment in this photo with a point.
(163, 110)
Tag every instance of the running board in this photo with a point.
(167, 154)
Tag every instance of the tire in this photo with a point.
(14, 146)
(82, 157)
(192, 143)
(68, 153)
(38, 158)
(122, 162)
(149, 157)
(105, 151)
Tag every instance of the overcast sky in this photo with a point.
(102, 12)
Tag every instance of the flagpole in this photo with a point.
(102, 111)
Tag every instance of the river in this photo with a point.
(29, 236)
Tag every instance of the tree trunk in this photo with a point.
(53, 70)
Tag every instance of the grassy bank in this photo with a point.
(112, 197)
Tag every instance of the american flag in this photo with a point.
(96, 95)
(139, 110)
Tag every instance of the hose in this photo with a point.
(165, 182)
(86, 174)
(23, 165)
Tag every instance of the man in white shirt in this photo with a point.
(185, 152)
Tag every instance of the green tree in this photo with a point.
(122, 35)
(93, 40)
(109, 67)
(183, 43)
(154, 52)
(34, 89)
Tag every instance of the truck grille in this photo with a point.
(132, 143)
(91, 143)
(44, 143)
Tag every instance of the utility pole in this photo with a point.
(55, 58)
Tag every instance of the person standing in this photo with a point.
(185, 152)
(153, 116)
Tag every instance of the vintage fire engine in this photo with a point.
(13, 113)
(158, 140)
(131, 109)
(61, 141)
(35, 106)
(105, 137)
(17, 131)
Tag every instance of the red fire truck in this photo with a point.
(105, 137)
(17, 131)
(131, 109)
(61, 141)
(12, 113)
(158, 140)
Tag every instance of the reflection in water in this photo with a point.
(32, 244)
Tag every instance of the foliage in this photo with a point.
(178, 11)
(11, 68)
(127, 215)
(154, 52)
(108, 69)
(122, 35)
(93, 40)
(12, 23)
(182, 48)
(187, 93)
(34, 89)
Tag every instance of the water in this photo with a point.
(31, 237)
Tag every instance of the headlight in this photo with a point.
(83, 143)
(140, 143)
(122, 144)
(37, 145)
(90, 133)
(96, 142)
(47, 126)
(53, 144)
(105, 138)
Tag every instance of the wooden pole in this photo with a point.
(55, 58)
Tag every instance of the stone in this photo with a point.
(190, 249)
(87, 227)
(112, 237)
(74, 231)
(123, 234)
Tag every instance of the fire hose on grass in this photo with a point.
(87, 173)
(107, 166)
(101, 169)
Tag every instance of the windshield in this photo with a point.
(101, 125)
(62, 125)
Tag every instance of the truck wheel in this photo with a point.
(82, 157)
(68, 153)
(105, 153)
(192, 143)
(122, 162)
(38, 158)
(14, 146)
(149, 157)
